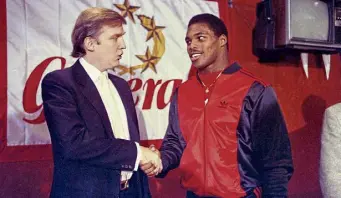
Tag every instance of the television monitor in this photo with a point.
(307, 25)
(309, 20)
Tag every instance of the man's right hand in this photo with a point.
(150, 161)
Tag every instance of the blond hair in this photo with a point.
(89, 24)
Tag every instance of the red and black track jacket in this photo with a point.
(235, 146)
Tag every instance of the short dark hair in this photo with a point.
(215, 23)
(89, 24)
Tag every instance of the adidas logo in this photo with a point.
(223, 104)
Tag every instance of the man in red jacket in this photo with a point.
(226, 131)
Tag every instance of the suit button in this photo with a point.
(126, 166)
(130, 167)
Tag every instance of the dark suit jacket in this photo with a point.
(87, 158)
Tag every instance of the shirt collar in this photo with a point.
(91, 70)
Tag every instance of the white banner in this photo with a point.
(39, 41)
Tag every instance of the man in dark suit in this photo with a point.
(91, 116)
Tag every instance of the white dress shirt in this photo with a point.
(114, 108)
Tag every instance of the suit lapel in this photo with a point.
(129, 106)
(90, 92)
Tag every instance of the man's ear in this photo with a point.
(222, 40)
(89, 44)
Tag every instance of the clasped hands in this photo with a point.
(150, 162)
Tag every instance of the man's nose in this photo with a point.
(123, 44)
(192, 46)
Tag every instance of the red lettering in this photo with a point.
(161, 94)
(150, 89)
(135, 84)
(31, 88)
(149, 86)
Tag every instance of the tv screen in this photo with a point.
(309, 20)
(305, 25)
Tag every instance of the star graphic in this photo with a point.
(127, 9)
(153, 30)
(148, 61)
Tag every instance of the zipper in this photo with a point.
(204, 135)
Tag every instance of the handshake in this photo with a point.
(150, 161)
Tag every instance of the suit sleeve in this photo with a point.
(330, 169)
(272, 145)
(70, 137)
(173, 143)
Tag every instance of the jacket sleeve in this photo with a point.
(71, 139)
(271, 144)
(173, 143)
(330, 169)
